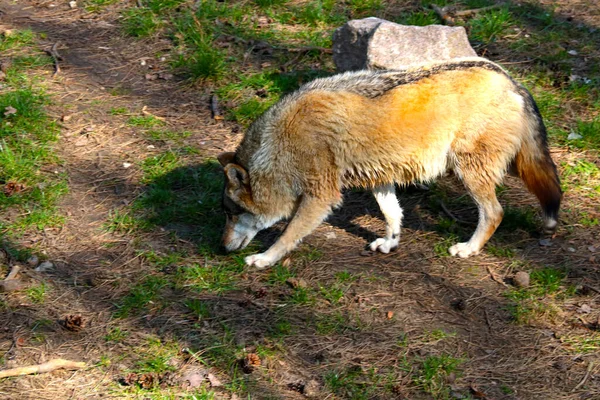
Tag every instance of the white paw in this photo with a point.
(463, 250)
(384, 245)
(260, 260)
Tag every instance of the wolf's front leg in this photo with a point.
(388, 203)
(310, 214)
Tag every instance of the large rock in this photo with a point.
(374, 43)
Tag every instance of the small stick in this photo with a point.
(587, 375)
(13, 273)
(466, 13)
(214, 108)
(53, 52)
(494, 277)
(49, 366)
(139, 3)
(454, 218)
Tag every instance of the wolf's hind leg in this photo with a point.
(490, 215)
(311, 212)
(388, 203)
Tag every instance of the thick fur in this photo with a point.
(374, 129)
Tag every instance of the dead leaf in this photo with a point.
(389, 314)
(9, 110)
(214, 381)
(194, 378)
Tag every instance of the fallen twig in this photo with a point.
(11, 283)
(466, 13)
(454, 218)
(49, 366)
(53, 52)
(494, 277)
(587, 375)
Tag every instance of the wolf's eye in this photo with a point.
(231, 208)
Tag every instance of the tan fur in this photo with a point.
(472, 121)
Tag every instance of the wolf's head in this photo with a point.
(244, 221)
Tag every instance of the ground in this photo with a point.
(108, 172)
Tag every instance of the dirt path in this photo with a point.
(397, 310)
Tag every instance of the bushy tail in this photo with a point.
(536, 168)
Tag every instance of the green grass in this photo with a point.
(16, 39)
(28, 184)
(146, 121)
(142, 297)
(433, 372)
(418, 18)
(140, 22)
(539, 302)
(353, 383)
(37, 294)
(210, 278)
(489, 26)
(116, 335)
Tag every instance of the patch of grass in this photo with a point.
(145, 121)
(365, 8)
(418, 18)
(581, 175)
(332, 293)
(433, 372)
(141, 297)
(489, 26)
(303, 296)
(26, 136)
(588, 220)
(116, 335)
(441, 247)
(199, 308)
(352, 383)
(582, 344)
(210, 278)
(500, 251)
(269, 3)
(123, 221)
(16, 39)
(119, 111)
(437, 335)
(167, 135)
(140, 22)
(590, 132)
(519, 218)
(280, 274)
(538, 302)
(37, 293)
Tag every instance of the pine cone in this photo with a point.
(250, 363)
(74, 323)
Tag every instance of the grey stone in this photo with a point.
(45, 266)
(374, 43)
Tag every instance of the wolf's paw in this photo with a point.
(260, 260)
(463, 250)
(384, 245)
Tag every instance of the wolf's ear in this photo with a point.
(237, 177)
(226, 158)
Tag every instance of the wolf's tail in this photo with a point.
(535, 166)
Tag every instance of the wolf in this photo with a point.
(375, 129)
